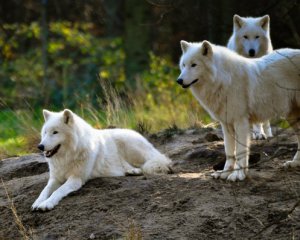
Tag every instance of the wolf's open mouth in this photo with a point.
(50, 153)
(186, 86)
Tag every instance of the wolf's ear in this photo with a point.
(46, 114)
(68, 116)
(206, 48)
(184, 45)
(238, 21)
(264, 22)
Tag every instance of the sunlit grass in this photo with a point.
(20, 129)
(12, 147)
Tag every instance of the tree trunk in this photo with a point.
(136, 40)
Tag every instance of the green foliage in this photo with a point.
(76, 58)
(85, 73)
(162, 102)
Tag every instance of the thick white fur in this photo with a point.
(87, 153)
(238, 91)
(252, 33)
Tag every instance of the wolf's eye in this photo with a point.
(246, 37)
(194, 65)
(256, 37)
(55, 132)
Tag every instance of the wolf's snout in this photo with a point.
(41, 147)
(180, 81)
(251, 52)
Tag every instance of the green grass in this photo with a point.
(20, 129)
(12, 146)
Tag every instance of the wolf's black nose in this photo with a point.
(251, 52)
(180, 81)
(41, 147)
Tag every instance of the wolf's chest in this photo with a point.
(62, 170)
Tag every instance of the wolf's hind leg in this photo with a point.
(295, 124)
(267, 129)
(258, 132)
(131, 170)
(134, 172)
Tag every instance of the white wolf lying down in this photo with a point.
(251, 38)
(76, 152)
(238, 91)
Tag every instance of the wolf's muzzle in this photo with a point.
(41, 147)
(180, 82)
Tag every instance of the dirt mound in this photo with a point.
(188, 204)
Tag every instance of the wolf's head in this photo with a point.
(195, 63)
(252, 35)
(57, 132)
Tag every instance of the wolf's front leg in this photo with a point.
(71, 185)
(229, 144)
(242, 140)
(51, 186)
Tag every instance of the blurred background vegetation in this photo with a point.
(114, 62)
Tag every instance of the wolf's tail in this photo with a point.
(157, 163)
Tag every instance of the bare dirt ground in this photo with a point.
(187, 204)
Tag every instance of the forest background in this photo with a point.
(113, 62)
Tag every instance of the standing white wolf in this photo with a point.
(236, 90)
(251, 38)
(77, 152)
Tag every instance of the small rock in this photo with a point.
(92, 236)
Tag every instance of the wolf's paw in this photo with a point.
(259, 136)
(237, 175)
(291, 164)
(269, 134)
(36, 204)
(45, 206)
(134, 172)
(221, 174)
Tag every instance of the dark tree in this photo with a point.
(137, 41)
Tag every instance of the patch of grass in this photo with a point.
(111, 112)
(134, 232)
(12, 147)
(20, 132)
